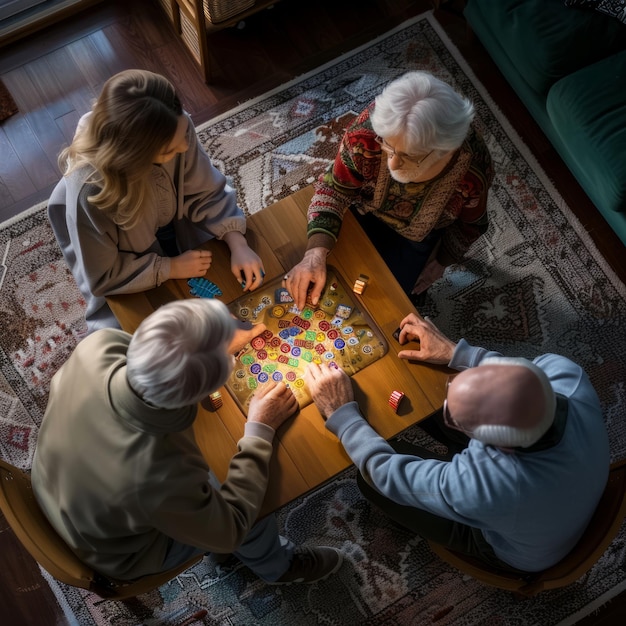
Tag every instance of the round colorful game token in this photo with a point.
(395, 398)
(258, 343)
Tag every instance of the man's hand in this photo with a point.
(243, 336)
(330, 387)
(190, 264)
(435, 347)
(272, 404)
(310, 271)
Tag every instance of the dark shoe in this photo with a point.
(310, 565)
(418, 299)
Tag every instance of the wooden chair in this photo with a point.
(33, 530)
(602, 529)
(194, 20)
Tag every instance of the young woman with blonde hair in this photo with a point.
(139, 194)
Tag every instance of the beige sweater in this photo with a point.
(117, 478)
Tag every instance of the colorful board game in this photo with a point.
(337, 331)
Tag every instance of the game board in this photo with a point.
(337, 331)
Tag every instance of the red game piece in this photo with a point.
(395, 399)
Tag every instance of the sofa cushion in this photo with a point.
(546, 40)
(588, 111)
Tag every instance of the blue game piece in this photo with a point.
(203, 288)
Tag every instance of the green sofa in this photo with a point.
(568, 66)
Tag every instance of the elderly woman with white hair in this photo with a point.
(415, 171)
(528, 452)
(117, 470)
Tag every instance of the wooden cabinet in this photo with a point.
(194, 20)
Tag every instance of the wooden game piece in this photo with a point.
(395, 399)
(215, 399)
(360, 283)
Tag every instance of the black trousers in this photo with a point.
(405, 258)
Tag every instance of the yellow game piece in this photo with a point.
(360, 283)
(215, 399)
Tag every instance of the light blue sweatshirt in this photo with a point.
(531, 507)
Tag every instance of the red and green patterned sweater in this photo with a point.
(455, 200)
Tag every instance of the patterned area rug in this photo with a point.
(534, 284)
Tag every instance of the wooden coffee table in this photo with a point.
(306, 454)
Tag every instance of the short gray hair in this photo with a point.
(427, 112)
(179, 353)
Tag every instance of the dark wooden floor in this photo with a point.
(56, 73)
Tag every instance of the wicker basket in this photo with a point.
(220, 10)
(215, 11)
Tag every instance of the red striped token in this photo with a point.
(395, 398)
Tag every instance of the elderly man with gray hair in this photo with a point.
(415, 172)
(117, 470)
(531, 461)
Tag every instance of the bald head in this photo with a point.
(505, 402)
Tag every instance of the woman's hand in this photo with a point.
(310, 271)
(245, 264)
(244, 336)
(272, 404)
(190, 264)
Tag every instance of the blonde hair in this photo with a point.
(133, 119)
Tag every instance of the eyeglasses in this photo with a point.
(391, 152)
(448, 420)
